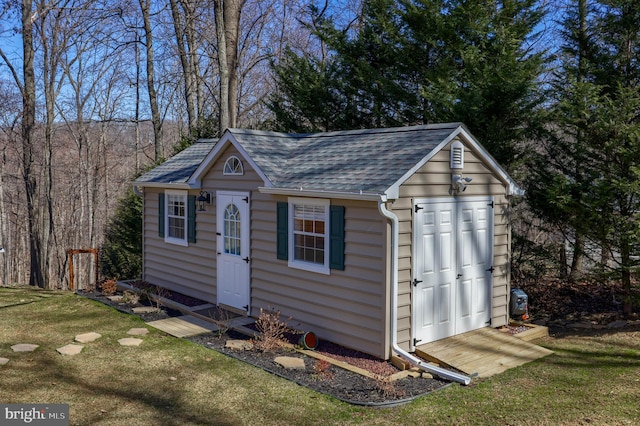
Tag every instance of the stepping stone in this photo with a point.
(144, 310)
(290, 363)
(3, 361)
(70, 349)
(138, 331)
(130, 341)
(240, 345)
(87, 337)
(116, 298)
(24, 347)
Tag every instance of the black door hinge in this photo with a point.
(416, 341)
(417, 208)
(490, 204)
(491, 269)
(246, 199)
(246, 259)
(246, 307)
(416, 282)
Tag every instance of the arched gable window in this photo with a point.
(233, 166)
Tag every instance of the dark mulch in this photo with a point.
(329, 379)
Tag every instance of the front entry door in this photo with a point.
(453, 256)
(233, 262)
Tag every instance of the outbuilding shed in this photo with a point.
(378, 240)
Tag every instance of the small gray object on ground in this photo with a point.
(3, 361)
(290, 363)
(617, 324)
(240, 345)
(144, 310)
(87, 337)
(70, 349)
(116, 298)
(24, 347)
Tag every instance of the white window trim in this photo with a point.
(172, 240)
(238, 173)
(300, 264)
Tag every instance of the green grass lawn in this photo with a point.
(591, 378)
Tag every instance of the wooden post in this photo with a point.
(70, 254)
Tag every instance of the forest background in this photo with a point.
(92, 93)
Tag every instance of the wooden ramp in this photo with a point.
(183, 326)
(482, 352)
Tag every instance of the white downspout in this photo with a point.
(447, 374)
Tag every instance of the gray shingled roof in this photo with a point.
(350, 161)
(180, 167)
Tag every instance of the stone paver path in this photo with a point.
(70, 349)
(130, 341)
(87, 337)
(24, 347)
(3, 361)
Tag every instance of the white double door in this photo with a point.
(233, 262)
(453, 249)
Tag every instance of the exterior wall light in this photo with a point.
(204, 197)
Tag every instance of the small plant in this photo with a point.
(161, 293)
(271, 331)
(109, 287)
(387, 388)
(321, 370)
(223, 320)
(130, 297)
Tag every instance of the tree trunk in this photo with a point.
(151, 85)
(36, 276)
(185, 60)
(227, 17)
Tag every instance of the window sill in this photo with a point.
(310, 267)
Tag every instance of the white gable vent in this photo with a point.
(457, 155)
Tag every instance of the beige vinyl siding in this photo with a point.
(434, 180)
(192, 270)
(347, 307)
(189, 270)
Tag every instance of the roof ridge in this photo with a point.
(352, 132)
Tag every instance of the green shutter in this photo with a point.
(191, 218)
(161, 215)
(282, 240)
(336, 237)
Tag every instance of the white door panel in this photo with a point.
(233, 262)
(453, 249)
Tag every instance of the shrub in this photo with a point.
(271, 331)
(109, 287)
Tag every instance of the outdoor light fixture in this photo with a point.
(459, 183)
(204, 197)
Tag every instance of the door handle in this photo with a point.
(458, 276)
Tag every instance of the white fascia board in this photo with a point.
(512, 186)
(394, 190)
(313, 193)
(165, 185)
(195, 181)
